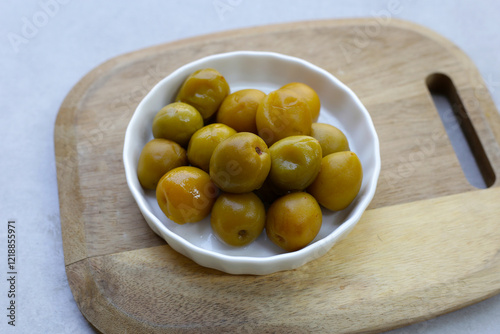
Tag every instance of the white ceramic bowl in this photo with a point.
(266, 71)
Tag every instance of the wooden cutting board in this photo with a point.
(428, 244)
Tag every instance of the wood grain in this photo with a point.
(428, 244)
(376, 276)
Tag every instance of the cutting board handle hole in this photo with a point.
(460, 130)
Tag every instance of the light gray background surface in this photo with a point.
(40, 65)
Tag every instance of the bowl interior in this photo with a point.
(267, 72)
